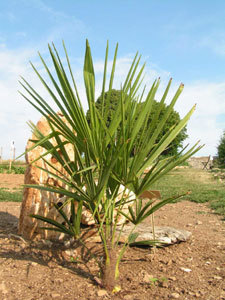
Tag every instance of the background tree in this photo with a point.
(111, 105)
(221, 150)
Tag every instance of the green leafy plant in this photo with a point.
(102, 161)
(174, 118)
(221, 151)
(153, 280)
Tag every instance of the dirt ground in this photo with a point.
(11, 181)
(191, 270)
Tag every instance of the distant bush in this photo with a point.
(14, 169)
(157, 108)
(221, 151)
(19, 170)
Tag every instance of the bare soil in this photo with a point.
(11, 181)
(32, 270)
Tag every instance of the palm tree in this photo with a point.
(103, 161)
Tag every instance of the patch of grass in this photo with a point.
(15, 169)
(200, 183)
(219, 206)
(201, 212)
(6, 195)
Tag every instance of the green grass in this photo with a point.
(6, 195)
(15, 169)
(201, 184)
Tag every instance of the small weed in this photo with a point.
(154, 280)
(201, 212)
(75, 260)
(164, 279)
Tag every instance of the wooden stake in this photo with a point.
(12, 155)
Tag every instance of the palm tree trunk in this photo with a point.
(109, 280)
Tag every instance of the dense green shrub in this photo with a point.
(19, 170)
(221, 151)
(157, 108)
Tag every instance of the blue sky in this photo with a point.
(184, 40)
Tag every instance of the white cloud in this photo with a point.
(215, 42)
(203, 125)
(15, 111)
(209, 97)
(123, 65)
